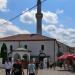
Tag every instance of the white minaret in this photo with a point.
(39, 16)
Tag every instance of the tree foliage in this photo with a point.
(0, 55)
(4, 51)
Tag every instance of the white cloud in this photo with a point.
(49, 28)
(7, 28)
(48, 17)
(3, 5)
(59, 11)
(28, 17)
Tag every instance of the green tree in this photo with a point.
(0, 55)
(4, 52)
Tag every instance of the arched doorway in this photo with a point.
(42, 56)
(25, 57)
(17, 56)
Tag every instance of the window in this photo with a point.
(25, 46)
(11, 47)
(42, 47)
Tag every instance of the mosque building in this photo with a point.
(33, 45)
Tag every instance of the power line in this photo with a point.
(24, 12)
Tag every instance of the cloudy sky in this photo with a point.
(58, 19)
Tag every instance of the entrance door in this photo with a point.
(25, 56)
(17, 56)
(42, 56)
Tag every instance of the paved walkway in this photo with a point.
(2, 72)
(54, 72)
(46, 72)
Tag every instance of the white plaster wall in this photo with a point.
(65, 48)
(35, 47)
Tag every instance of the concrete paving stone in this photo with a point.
(57, 71)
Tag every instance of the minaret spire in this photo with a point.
(39, 16)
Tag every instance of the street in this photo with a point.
(57, 71)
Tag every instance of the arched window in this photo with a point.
(25, 56)
(11, 48)
(42, 47)
(17, 56)
(25, 46)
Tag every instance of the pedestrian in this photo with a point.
(51, 65)
(17, 68)
(47, 64)
(31, 70)
(8, 66)
(41, 65)
(37, 66)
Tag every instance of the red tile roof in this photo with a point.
(26, 37)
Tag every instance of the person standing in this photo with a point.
(47, 64)
(37, 66)
(31, 70)
(17, 68)
(8, 67)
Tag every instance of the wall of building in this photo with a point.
(8, 43)
(35, 47)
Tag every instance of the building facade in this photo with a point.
(35, 43)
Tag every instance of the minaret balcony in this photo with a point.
(39, 15)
